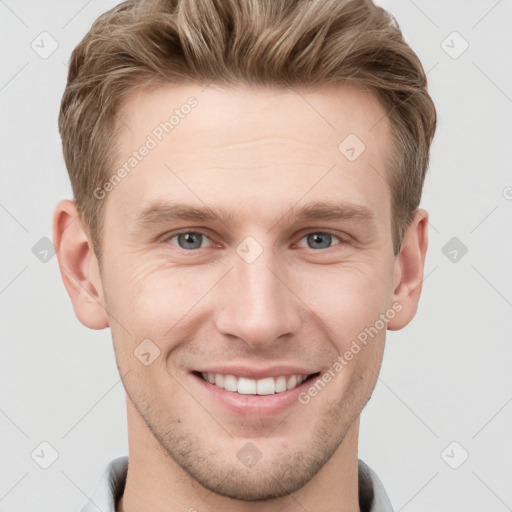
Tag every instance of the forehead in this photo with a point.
(265, 144)
(222, 114)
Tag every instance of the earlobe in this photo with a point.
(409, 267)
(78, 266)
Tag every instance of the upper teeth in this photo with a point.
(245, 386)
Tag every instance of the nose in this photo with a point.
(255, 302)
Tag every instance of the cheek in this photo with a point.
(140, 290)
(159, 301)
(352, 310)
(347, 299)
(156, 302)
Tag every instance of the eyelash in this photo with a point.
(203, 233)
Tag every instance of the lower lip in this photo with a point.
(258, 406)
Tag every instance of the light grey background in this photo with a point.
(446, 377)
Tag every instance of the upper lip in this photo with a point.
(258, 373)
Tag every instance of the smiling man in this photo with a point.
(247, 177)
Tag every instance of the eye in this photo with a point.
(188, 240)
(320, 240)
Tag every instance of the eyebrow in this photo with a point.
(165, 212)
(328, 210)
(168, 212)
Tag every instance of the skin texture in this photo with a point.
(261, 154)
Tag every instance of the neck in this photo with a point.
(156, 482)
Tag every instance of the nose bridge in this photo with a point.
(255, 304)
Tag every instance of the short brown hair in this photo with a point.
(276, 43)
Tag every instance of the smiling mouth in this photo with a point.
(246, 386)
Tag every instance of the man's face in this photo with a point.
(260, 291)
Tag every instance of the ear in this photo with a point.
(408, 274)
(79, 266)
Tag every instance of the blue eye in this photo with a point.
(320, 240)
(189, 239)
